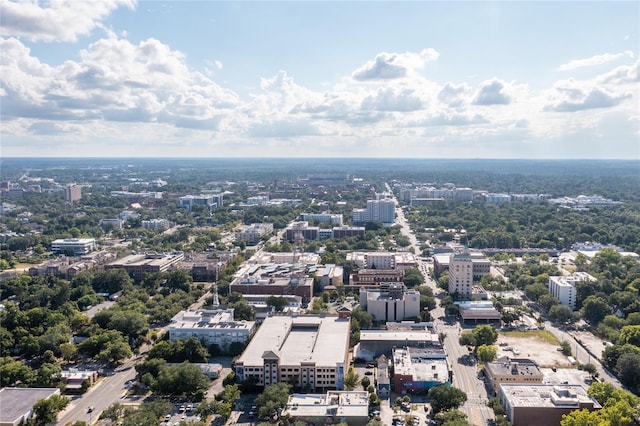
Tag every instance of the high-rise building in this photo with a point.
(461, 274)
(72, 193)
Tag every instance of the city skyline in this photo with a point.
(320, 79)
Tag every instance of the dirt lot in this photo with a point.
(538, 345)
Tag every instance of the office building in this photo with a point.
(537, 405)
(563, 288)
(374, 277)
(309, 351)
(72, 193)
(349, 407)
(111, 223)
(335, 219)
(137, 265)
(210, 201)
(275, 286)
(390, 302)
(73, 246)
(211, 327)
(156, 224)
(253, 234)
(374, 343)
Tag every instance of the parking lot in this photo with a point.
(181, 412)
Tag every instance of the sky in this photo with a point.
(420, 79)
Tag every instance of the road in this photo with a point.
(465, 372)
(104, 393)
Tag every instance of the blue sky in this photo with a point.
(320, 79)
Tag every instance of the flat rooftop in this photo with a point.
(16, 402)
(547, 396)
(424, 365)
(334, 403)
(398, 335)
(208, 319)
(297, 339)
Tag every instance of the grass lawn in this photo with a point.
(542, 335)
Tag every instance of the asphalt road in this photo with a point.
(108, 390)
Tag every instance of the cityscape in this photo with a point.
(312, 213)
(317, 296)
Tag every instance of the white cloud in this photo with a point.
(622, 75)
(390, 99)
(572, 96)
(390, 66)
(492, 93)
(594, 60)
(115, 80)
(55, 20)
(454, 95)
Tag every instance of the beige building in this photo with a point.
(137, 265)
(309, 351)
(543, 405)
(350, 407)
(374, 277)
(521, 371)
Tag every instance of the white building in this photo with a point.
(391, 302)
(258, 200)
(383, 210)
(564, 288)
(461, 274)
(210, 201)
(73, 246)
(252, 234)
(210, 327)
(335, 219)
(310, 351)
(156, 224)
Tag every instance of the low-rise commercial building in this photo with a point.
(537, 405)
(137, 265)
(308, 351)
(73, 246)
(211, 327)
(416, 370)
(370, 278)
(478, 311)
(350, 407)
(511, 371)
(17, 403)
(374, 343)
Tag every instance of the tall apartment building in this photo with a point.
(72, 193)
(461, 274)
(383, 210)
(156, 224)
(564, 288)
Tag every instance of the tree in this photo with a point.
(445, 397)
(46, 410)
(486, 353)
(351, 379)
(182, 379)
(594, 309)
(278, 302)
(365, 382)
(451, 417)
(485, 335)
(509, 316)
(560, 314)
(273, 397)
(628, 369)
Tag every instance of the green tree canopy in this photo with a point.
(443, 397)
